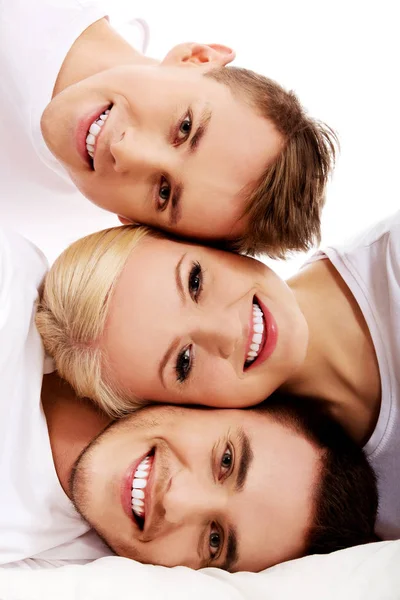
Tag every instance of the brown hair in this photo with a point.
(346, 496)
(283, 207)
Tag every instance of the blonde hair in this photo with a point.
(72, 313)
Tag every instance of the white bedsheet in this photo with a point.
(366, 572)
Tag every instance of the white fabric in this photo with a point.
(36, 517)
(370, 266)
(36, 196)
(363, 573)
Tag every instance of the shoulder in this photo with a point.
(382, 234)
(22, 269)
(21, 262)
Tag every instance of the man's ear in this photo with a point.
(124, 220)
(205, 56)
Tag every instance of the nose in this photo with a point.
(139, 153)
(218, 333)
(190, 501)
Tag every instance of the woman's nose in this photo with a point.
(138, 153)
(219, 333)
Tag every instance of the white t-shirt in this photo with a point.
(36, 196)
(36, 517)
(370, 266)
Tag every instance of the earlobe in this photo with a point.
(206, 56)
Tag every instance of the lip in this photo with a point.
(270, 335)
(126, 489)
(82, 130)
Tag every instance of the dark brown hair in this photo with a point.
(283, 208)
(346, 496)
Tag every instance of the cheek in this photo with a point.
(101, 191)
(177, 548)
(216, 384)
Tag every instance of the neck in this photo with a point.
(72, 424)
(97, 49)
(340, 367)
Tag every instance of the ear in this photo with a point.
(205, 56)
(124, 220)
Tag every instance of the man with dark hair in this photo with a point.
(344, 483)
(186, 144)
(235, 489)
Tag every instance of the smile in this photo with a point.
(139, 484)
(263, 335)
(93, 132)
(256, 334)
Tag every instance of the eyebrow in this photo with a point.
(232, 555)
(175, 211)
(201, 130)
(175, 342)
(246, 458)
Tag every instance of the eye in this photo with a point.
(164, 193)
(195, 284)
(226, 462)
(185, 127)
(184, 364)
(215, 542)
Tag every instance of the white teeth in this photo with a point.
(258, 330)
(139, 510)
(138, 494)
(141, 474)
(257, 338)
(94, 130)
(137, 503)
(139, 484)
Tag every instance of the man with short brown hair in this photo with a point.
(186, 144)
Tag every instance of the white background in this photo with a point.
(341, 58)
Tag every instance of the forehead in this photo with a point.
(145, 293)
(237, 148)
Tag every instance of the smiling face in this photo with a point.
(226, 488)
(176, 150)
(193, 325)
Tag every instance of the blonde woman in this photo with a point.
(132, 317)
